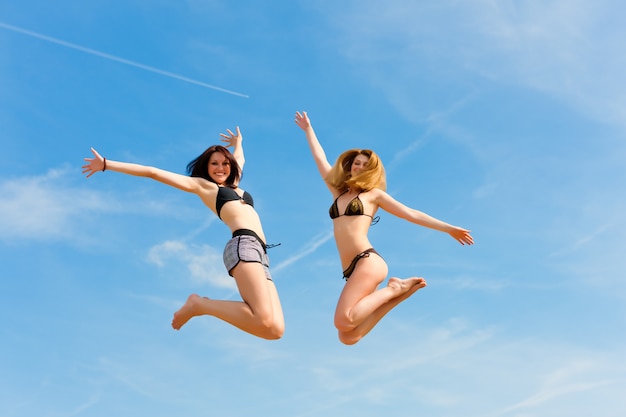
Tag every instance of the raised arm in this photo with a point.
(182, 182)
(393, 206)
(302, 120)
(236, 142)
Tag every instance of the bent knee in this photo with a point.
(272, 329)
(348, 338)
(344, 323)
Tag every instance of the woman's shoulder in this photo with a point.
(374, 192)
(375, 195)
(205, 185)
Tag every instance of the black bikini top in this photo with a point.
(354, 208)
(225, 194)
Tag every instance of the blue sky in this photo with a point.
(507, 117)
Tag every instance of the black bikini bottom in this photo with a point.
(365, 254)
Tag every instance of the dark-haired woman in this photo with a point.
(357, 183)
(214, 177)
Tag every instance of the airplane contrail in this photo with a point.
(117, 59)
(311, 247)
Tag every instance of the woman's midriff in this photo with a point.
(351, 239)
(243, 217)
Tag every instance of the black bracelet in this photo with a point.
(105, 165)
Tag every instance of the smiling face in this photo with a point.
(218, 167)
(358, 164)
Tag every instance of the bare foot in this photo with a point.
(417, 284)
(190, 309)
(404, 285)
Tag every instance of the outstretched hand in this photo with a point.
(232, 139)
(95, 164)
(462, 236)
(302, 120)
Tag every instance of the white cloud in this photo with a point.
(425, 364)
(573, 378)
(571, 50)
(204, 263)
(52, 207)
(44, 207)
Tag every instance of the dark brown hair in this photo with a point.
(199, 166)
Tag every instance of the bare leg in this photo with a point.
(193, 307)
(361, 305)
(259, 313)
(353, 336)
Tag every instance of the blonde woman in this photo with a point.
(214, 177)
(357, 184)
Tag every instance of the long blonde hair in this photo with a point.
(371, 176)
